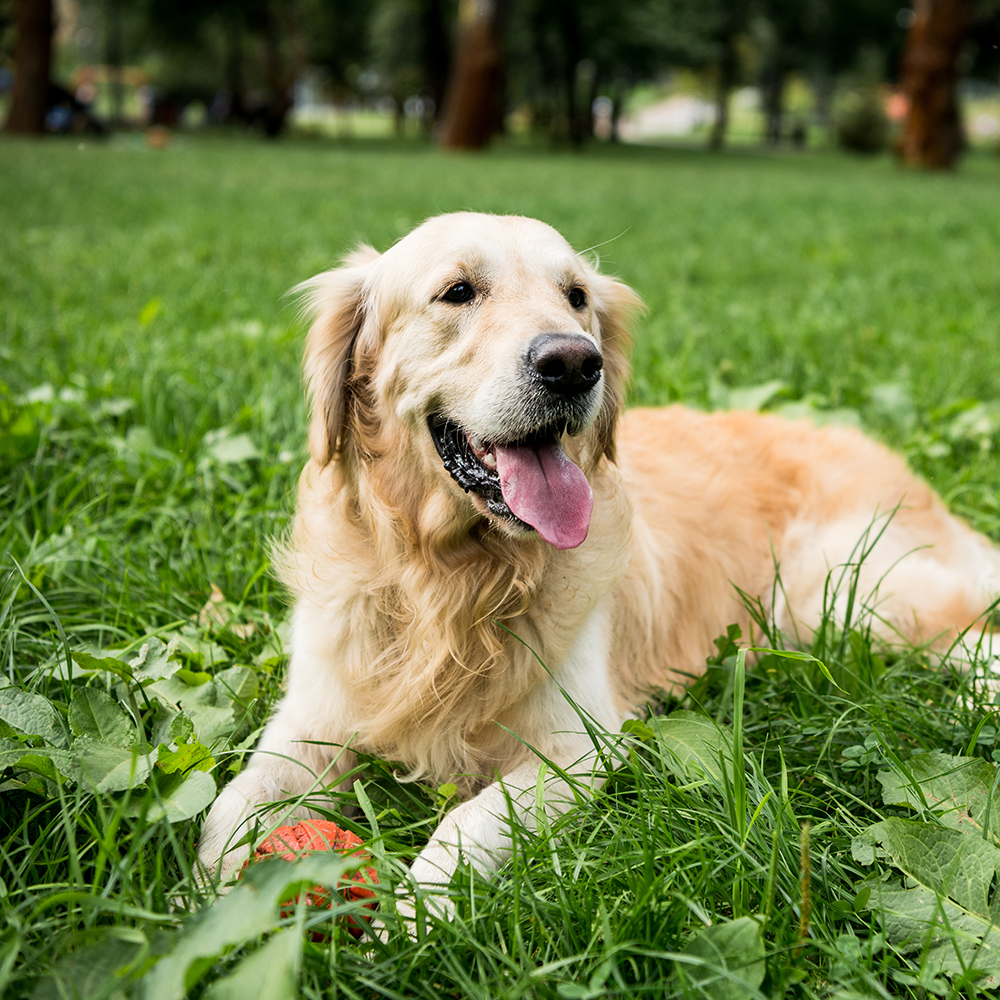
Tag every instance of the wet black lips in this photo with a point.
(452, 445)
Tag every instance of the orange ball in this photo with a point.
(291, 842)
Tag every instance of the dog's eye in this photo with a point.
(577, 298)
(462, 291)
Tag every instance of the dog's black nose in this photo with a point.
(566, 363)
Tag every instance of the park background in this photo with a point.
(859, 73)
(820, 827)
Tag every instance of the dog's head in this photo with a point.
(482, 349)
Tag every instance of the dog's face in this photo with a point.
(485, 347)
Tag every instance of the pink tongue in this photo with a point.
(546, 490)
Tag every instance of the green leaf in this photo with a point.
(727, 645)
(638, 729)
(95, 759)
(947, 908)
(181, 728)
(14, 753)
(187, 757)
(154, 662)
(750, 397)
(229, 449)
(194, 678)
(210, 720)
(797, 654)
(238, 684)
(128, 774)
(87, 972)
(195, 793)
(693, 743)
(577, 991)
(95, 713)
(732, 963)
(101, 970)
(108, 663)
(270, 972)
(863, 851)
(110, 767)
(250, 910)
(41, 764)
(32, 714)
(11, 750)
(961, 791)
(212, 723)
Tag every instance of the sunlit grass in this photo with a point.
(151, 430)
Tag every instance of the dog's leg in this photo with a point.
(287, 764)
(922, 583)
(478, 831)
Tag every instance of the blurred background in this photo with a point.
(865, 75)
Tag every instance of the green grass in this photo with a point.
(144, 336)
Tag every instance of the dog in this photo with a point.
(486, 546)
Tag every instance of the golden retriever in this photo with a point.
(476, 506)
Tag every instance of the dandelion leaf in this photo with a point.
(694, 744)
(32, 714)
(110, 767)
(238, 918)
(96, 714)
(185, 800)
(727, 960)
(269, 972)
(948, 908)
(959, 790)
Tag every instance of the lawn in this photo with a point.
(151, 431)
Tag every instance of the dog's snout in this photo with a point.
(566, 363)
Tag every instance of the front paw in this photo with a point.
(413, 917)
(215, 868)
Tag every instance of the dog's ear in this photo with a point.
(615, 305)
(336, 301)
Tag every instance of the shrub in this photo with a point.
(861, 124)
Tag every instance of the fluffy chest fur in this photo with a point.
(429, 648)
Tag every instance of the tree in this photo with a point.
(340, 42)
(729, 28)
(410, 47)
(473, 111)
(932, 129)
(705, 34)
(562, 54)
(33, 57)
(982, 45)
(273, 31)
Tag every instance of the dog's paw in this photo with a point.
(212, 873)
(413, 918)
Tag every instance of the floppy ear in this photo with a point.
(615, 305)
(336, 302)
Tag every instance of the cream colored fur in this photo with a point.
(418, 614)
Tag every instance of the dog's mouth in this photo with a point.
(530, 482)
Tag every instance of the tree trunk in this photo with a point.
(113, 56)
(932, 129)
(234, 73)
(568, 16)
(473, 111)
(284, 58)
(436, 55)
(774, 100)
(33, 57)
(724, 81)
